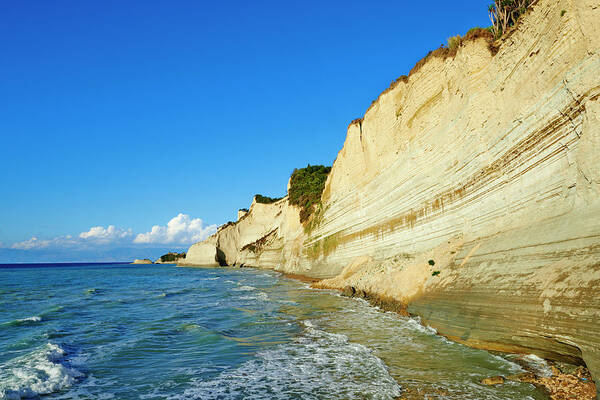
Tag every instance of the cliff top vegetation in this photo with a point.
(306, 187)
(266, 199)
(171, 257)
(503, 15)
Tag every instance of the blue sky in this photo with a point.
(132, 113)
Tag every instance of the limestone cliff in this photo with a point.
(486, 166)
(263, 237)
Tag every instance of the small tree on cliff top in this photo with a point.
(505, 13)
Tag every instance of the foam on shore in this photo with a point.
(312, 366)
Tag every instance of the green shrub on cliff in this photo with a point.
(266, 199)
(306, 187)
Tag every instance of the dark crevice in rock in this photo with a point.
(220, 258)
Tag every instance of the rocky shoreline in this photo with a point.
(560, 386)
(574, 383)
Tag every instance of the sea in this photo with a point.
(120, 331)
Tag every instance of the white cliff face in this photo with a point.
(242, 214)
(486, 165)
(472, 145)
(257, 239)
(203, 254)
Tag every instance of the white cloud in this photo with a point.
(30, 244)
(36, 243)
(179, 230)
(109, 234)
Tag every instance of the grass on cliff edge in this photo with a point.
(503, 14)
(306, 188)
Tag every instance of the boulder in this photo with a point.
(493, 380)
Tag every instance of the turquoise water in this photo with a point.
(162, 332)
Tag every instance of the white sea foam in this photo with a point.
(23, 321)
(256, 296)
(538, 364)
(316, 365)
(37, 373)
(35, 318)
(415, 322)
(512, 366)
(288, 302)
(244, 288)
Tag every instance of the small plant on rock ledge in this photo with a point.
(435, 273)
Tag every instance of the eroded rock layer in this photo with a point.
(470, 192)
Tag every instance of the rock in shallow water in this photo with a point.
(560, 386)
(348, 291)
(494, 380)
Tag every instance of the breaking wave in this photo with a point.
(316, 365)
(23, 321)
(538, 364)
(40, 372)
